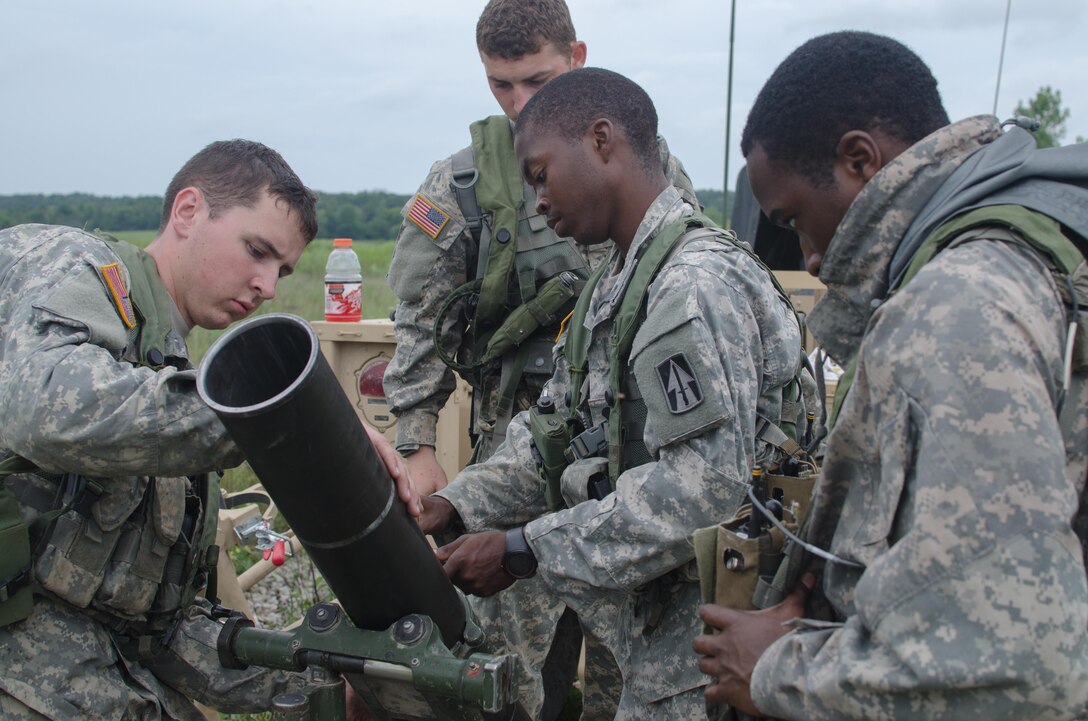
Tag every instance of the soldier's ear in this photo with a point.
(187, 204)
(577, 54)
(859, 156)
(602, 134)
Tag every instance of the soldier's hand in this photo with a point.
(397, 470)
(730, 656)
(437, 516)
(474, 563)
(427, 475)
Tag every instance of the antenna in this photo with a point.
(728, 116)
(1001, 59)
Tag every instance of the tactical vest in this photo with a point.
(524, 278)
(620, 437)
(131, 551)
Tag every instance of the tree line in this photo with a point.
(362, 216)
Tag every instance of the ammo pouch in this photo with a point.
(127, 556)
(16, 595)
(736, 571)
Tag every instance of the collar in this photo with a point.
(666, 208)
(855, 269)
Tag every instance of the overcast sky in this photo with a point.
(110, 97)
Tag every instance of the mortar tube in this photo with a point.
(269, 384)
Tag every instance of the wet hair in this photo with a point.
(511, 29)
(236, 173)
(836, 83)
(568, 104)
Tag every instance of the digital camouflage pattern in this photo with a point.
(72, 400)
(423, 273)
(91, 680)
(626, 564)
(70, 397)
(945, 476)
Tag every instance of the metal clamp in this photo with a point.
(264, 539)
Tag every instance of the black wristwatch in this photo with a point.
(518, 559)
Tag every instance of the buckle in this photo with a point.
(590, 443)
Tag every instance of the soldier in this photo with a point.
(455, 241)
(945, 523)
(706, 345)
(108, 451)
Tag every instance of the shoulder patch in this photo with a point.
(115, 282)
(682, 389)
(429, 217)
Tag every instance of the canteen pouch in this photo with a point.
(16, 597)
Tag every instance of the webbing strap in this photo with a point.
(464, 180)
(15, 464)
(499, 190)
(155, 320)
(1042, 233)
(625, 324)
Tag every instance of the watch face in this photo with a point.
(519, 564)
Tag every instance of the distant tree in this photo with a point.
(1046, 107)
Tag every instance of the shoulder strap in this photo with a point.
(464, 180)
(625, 324)
(149, 298)
(15, 464)
(498, 191)
(1039, 231)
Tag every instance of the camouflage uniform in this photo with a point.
(625, 564)
(73, 400)
(946, 477)
(423, 274)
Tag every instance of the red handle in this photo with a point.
(278, 553)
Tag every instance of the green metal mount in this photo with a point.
(404, 673)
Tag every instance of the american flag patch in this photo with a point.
(428, 216)
(111, 274)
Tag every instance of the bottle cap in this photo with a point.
(341, 243)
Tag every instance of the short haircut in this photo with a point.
(511, 29)
(836, 83)
(568, 104)
(233, 173)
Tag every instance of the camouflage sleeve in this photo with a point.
(67, 402)
(720, 326)
(429, 262)
(972, 602)
(677, 175)
(505, 491)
